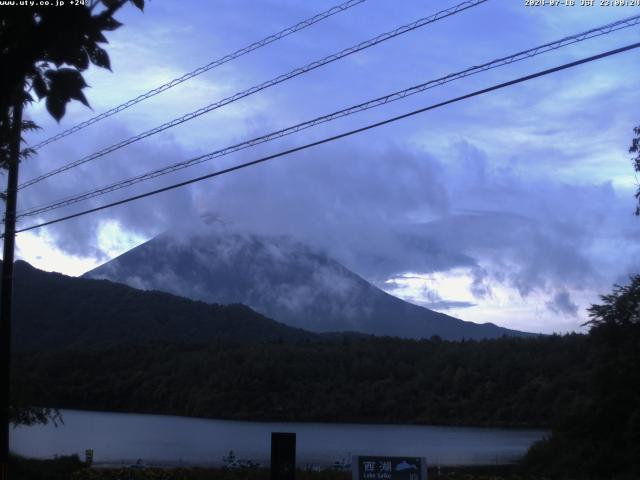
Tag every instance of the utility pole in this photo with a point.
(7, 283)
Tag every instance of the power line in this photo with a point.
(194, 73)
(595, 32)
(337, 137)
(293, 73)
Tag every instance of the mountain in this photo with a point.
(284, 280)
(56, 312)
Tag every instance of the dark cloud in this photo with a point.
(145, 217)
(502, 186)
(385, 212)
(395, 211)
(431, 299)
(562, 303)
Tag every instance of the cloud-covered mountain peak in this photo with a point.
(281, 278)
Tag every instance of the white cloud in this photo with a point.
(452, 292)
(41, 252)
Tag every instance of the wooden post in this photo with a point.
(283, 456)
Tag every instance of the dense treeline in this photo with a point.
(599, 436)
(504, 382)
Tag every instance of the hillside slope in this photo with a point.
(283, 279)
(54, 312)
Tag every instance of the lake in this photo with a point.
(167, 440)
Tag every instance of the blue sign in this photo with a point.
(389, 468)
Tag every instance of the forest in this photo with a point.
(585, 388)
(505, 382)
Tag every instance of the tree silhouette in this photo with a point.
(44, 49)
(635, 148)
(621, 307)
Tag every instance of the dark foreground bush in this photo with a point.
(61, 468)
(72, 469)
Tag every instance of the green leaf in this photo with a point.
(27, 152)
(30, 125)
(138, 3)
(64, 84)
(40, 86)
(66, 79)
(99, 57)
(56, 107)
(99, 37)
(109, 23)
(79, 95)
(81, 60)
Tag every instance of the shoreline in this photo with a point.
(546, 429)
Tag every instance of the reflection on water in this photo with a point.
(159, 439)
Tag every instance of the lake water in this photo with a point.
(166, 440)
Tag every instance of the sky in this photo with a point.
(515, 207)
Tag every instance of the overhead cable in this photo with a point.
(275, 81)
(205, 68)
(383, 100)
(335, 137)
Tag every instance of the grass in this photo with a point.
(71, 468)
(56, 469)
